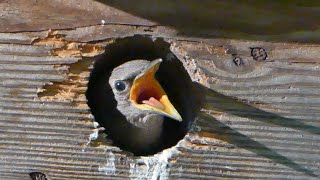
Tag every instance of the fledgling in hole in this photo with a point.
(132, 56)
(143, 103)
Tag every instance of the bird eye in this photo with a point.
(120, 85)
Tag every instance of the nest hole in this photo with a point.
(171, 75)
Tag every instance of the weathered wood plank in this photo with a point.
(260, 119)
(263, 20)
(24, 15)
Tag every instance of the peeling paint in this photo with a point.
(109, 168)
(180, 171)
(155, 167)
(95, 124)
(138, 171)
(93, 136)
(40, 90)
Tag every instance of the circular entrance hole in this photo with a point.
(172, 76)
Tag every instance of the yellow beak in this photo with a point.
(147, 94)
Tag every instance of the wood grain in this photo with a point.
(260, 119)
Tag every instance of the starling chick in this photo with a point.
(143, 103)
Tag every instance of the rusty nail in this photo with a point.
(238, 61)
(259, 54)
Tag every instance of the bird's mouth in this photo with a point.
(147, 94)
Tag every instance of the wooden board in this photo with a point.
(260, 119)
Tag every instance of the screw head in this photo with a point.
(259, 54)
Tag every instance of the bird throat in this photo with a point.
(151, 132)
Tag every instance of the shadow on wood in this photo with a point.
(259, 20)
(225, 133)
(241, 109)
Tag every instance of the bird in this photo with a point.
(140, 107)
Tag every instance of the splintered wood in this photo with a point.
(73, 88)
(260, 119)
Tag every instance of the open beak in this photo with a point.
(147, 94)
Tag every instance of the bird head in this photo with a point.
(139, 95)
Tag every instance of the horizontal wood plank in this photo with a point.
(260, 119)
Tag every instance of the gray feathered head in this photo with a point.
(139, 95)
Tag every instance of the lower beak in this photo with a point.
(147, 94)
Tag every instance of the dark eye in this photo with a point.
(120, 85)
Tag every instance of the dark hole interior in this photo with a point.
(171, 75)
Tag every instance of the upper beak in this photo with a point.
(147, 94)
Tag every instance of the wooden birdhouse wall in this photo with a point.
(260, 118)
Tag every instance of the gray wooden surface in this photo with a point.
(260, 119)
